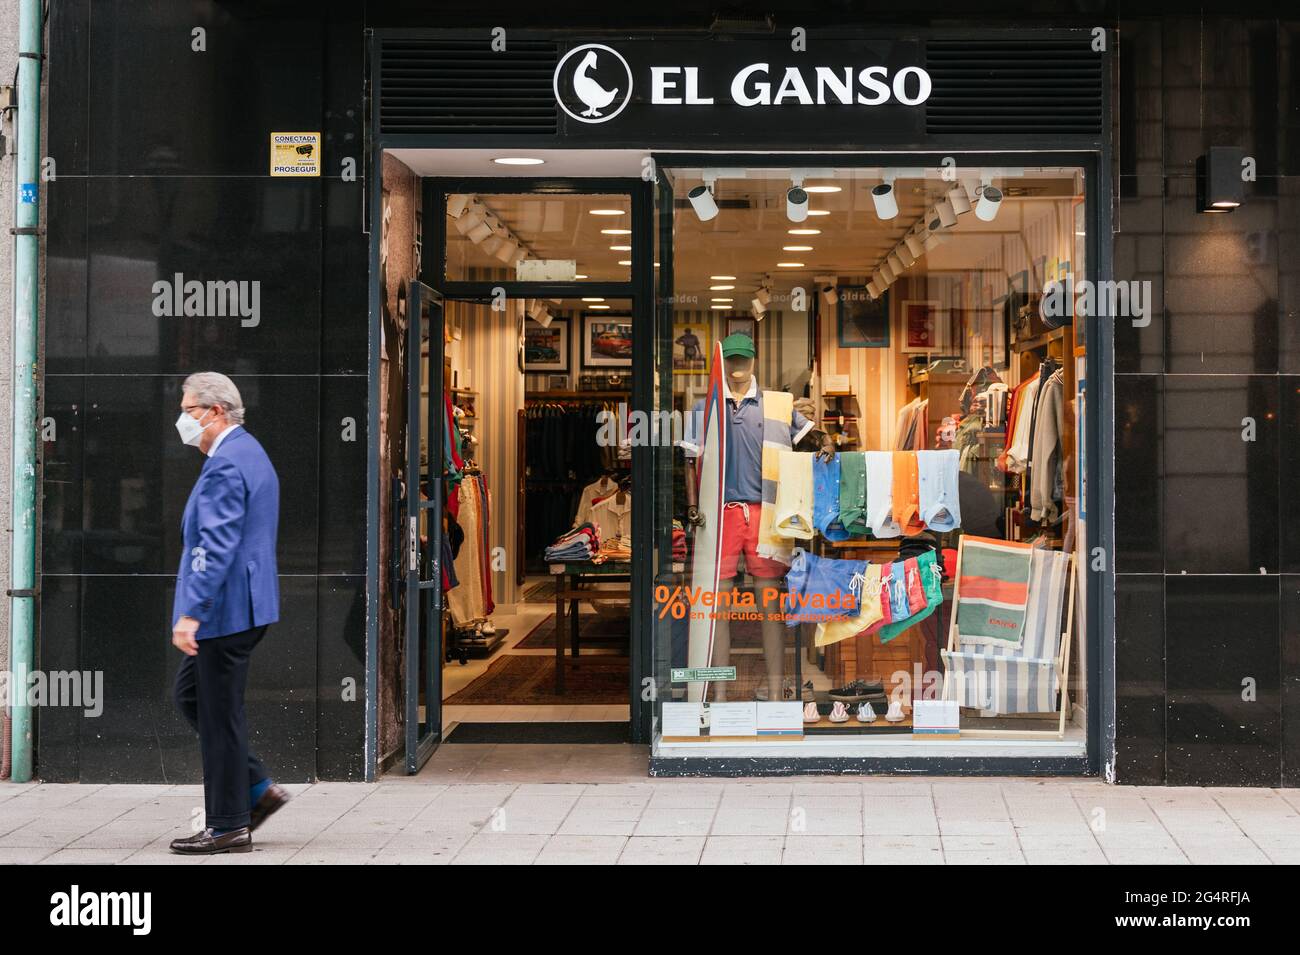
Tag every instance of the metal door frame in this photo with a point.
(422, 624)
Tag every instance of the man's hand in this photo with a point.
(694, 517)
(183, 638)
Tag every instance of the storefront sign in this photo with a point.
(295, 154)
(663, 91)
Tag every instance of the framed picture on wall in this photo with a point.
(862, 322)
(606, 340)
(743, 325)
(691, 348)
(546, 349)
(925, 327)
(557, 382)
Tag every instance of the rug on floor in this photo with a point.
(541, 593)
(600, 626)
(577, 731)
(527, 680)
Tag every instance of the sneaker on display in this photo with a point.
(810, 714)
(895, 713)
(865, 713)
(488, 628)
(839, 713)
(808, 695)
(857, 690)
(760, 693)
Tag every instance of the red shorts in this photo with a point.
(740, 536)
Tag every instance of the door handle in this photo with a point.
(413, 544)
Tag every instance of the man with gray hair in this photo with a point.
(227, 594)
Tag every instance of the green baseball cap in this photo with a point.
(738, 343)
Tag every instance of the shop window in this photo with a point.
(871, 521)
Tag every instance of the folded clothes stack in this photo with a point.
(614, 548)
(679, 541)
(581, 543)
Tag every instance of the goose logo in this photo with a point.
(593, 83)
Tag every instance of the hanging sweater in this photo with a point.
(1045, 472)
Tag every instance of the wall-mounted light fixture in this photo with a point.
(1219, 187)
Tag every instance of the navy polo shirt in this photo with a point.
(743, 477)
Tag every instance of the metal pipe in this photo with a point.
(22, 548)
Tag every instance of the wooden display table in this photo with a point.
(574, 582)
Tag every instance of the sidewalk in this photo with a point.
(594, 804)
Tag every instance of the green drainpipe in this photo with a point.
(22, 553)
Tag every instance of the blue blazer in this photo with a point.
(228, 577)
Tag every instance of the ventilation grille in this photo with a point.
(460, 86)
(1044, 87)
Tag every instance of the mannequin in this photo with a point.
(742, 496)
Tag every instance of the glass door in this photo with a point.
(426, 424)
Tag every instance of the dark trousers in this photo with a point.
(209, 692)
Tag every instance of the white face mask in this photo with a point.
(191, 431)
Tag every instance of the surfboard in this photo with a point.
(706, 558)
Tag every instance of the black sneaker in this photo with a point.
(857, 691)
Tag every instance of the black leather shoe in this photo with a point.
(205, 843)
(271, 801)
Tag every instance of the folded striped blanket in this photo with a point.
(992, 591)
(778, 411)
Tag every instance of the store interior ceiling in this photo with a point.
(750, 238)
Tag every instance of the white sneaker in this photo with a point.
(487, 627)
(810, 714)
(895, 713)
(760, 693)
(839, 713)
(865, 713)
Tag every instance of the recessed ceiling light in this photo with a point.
(821, 188)
(579, 275)
(804, 231)
(819, 212)
(725, 308)
(606, 212)
(721, 299)
(723, 278)
(721, 288)
(598, 306)
(593, 300)
(624, 261)
(796, 248)
(620, 248)
(519, 161)
(789, 265)
(615, 231)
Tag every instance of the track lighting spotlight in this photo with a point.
(958, 199)
(796, 204)
(947, 215)
(990, 201)
(885, 201)
(702, 200)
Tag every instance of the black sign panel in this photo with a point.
(742, 92)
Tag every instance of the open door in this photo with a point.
(426, 424)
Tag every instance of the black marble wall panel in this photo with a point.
(160, 119)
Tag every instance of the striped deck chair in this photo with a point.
(1020, 676)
